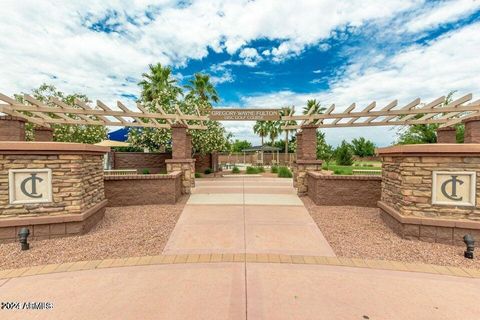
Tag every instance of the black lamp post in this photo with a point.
(23, 235)
(470, 243)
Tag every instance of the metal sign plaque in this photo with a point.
(244, 114)
(454, 188)
(27, 186)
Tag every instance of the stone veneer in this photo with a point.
(406, 204)
(187, 168)
(334, 190)
(300, 171)
(77, 186)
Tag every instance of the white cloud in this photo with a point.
(426, 71)
(447, 11)
(46, 41)
(250, 57)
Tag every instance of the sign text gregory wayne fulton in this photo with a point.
(244, 114)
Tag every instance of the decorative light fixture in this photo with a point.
(470, 243)
(23, 235)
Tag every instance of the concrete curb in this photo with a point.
(240, 257)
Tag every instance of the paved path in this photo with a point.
(246, 215)
(215, 269)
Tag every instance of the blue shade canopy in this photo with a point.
(119, 135)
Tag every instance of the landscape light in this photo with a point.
(23, 235)
(470, 243)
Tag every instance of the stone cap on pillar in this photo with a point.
(43, 129)
(309, 126)
(476, 118)
(178, 125)
(22, 147)
(432, 149)
(180, 160)
(12, 118)
(447, 129)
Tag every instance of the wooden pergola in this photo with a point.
(58, 112)
(414, 112)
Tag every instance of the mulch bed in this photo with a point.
(124, 232)
(357, 232)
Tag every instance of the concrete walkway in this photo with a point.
(215, 267)
(246, 215)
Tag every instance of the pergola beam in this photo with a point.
(57, 112)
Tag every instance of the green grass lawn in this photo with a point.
(358, 165)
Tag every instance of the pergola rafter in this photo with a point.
(434, 112)
(58, 112)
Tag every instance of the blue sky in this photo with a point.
(262, 53)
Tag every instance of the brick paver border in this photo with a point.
(240, 257)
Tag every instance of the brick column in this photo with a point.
(181, 157)
(179, 141)
(447, 135)
(306, 158)
(43, 134)
(12, 128)
(299, 146)
(188, 146)
(472, 130)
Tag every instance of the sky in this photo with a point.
(263, 53)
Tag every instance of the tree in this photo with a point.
(317, 108)
(158, 86)
(239, 145)
(273, 130)
(344, 154)
(363, 147)
(324, 150)
(201, 87)
(65, 132)
(160, 89)
(261, 128)
(426, 133)
(285, 112)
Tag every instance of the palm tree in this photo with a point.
(202, 87)
(261, 128)
(273, 130)
(285, 112)
(157, 83)
(317, 108)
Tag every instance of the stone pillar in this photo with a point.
(447, 135)
(43, 134)
(472, 130)
(306, 158)
(418, 201)
(182, 157)
(70, 196)
(12, 128)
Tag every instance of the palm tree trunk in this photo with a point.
(286, 146)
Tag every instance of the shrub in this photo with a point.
(261, 169)
(208, 171)
(344, 154)
(252, 170)
(337, 171)
(284, 172)
(197, 175)
(146, 171)
(235, 170)
(274, 169)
